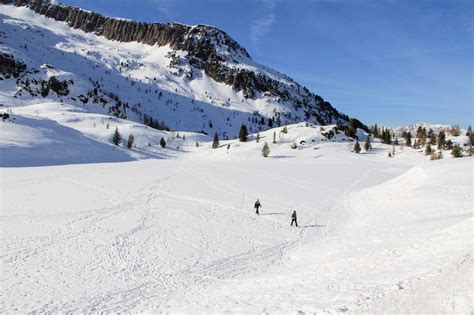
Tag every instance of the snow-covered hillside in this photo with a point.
(45, 60)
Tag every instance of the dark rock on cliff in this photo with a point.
(10, 67)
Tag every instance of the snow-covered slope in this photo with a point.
(375, 234)
(207, 83)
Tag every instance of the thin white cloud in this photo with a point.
(263, 24)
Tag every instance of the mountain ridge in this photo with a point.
(198, 50)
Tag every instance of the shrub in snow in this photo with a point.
(436, 155)
(456, 151)
(284, 130)
(294, 145)
(265, 150)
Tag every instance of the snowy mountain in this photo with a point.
(413, 128)
(168, 76)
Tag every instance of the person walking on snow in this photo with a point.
(293, 219)
(257, 206)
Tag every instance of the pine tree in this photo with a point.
(428, 149)
(215, 143)
(131, 141)
(367, 145)
(243, 133)
(457, 151)
(470, 139)
(441, 139)
(432, 137)
(107, 126)
(270, 123)
(407, 137)
(357, 147)
(162, 142)
(265, 150)
(257, 138)
(274, 137)
(117, 138)
(197, 144)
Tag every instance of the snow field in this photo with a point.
(180, 235)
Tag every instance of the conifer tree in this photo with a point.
(367, 145)
(408, 139)
(265, 150)
(117, 138)
(357, 147)
(470, 139)
(428, 149)
(257, 138)
(274, 137)
(162, 142)
(215, 143)
(107, 126)
(441, 139)
(270, 123)
(432, 137)
(243, 133)
(131, 141)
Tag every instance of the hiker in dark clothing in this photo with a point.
(293, 219)
(257, 206)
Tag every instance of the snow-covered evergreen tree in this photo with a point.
(117, 138)
(215, 142)
(265, 150)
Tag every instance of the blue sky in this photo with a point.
(391, 62)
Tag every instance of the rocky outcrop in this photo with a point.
(207, 47)
(10, 67)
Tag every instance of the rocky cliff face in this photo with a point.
(207, 48)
